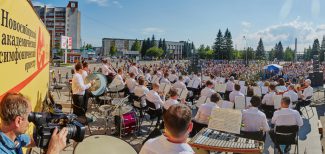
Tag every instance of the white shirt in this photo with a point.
(233, 95)
(172, 77)
(230, 86)
(286, 116)
(78, 85)
(131, 83)
(179, 84)
(254, 120)
(268, 99)
(308, 92)
(147, 77)
(134, 70)
(207, 92)
(197, 81)
(169, 103)
(153, 96)
(186, 79)
(155, 79)
(292, 95)
(84, 74)
(105, 69)
(281, 88)
(164, 80)
(140, 90)
(204, 112)
(160, 145)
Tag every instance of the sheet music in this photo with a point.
(242, 83)
(221, 88)
(265, 90)
(277, 101)
(257, 91)
(240, 102)
(227, 120)
(243, 89)
(248, 102)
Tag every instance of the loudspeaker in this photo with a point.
(316, 79)
(315, 63)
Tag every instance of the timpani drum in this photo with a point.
(103, 144)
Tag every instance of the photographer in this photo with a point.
(14, 110)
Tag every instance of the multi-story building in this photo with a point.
(124, 45)
(61, 21)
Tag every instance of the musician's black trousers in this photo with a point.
(272, 136)
(79, 105)
(87, 95)
(268, 110)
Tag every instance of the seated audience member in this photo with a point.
(235, 93)
(208, 91)
(204, 112)
(253, 119)
(178, 125)
(285, 117)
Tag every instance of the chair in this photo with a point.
(256, 135)
(286, 135)
(57, 87)
(197, 127)
(153, 113)
(138, 105)
(304, 104)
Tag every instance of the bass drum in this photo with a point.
(99, 87)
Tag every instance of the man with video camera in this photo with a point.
(14, 111)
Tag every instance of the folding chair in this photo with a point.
(286, 135)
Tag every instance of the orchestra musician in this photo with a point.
(253, 119)
(156, 97)
(229, 87)
(178, 125)
(208, 90)
(307, 94)
(268, 102)
(204, 112)
(172, 77)
(291, 94)
(179, 83)
(285, 117)
(78, 91)
(118, 79)
(134, 69)
(164, 79)
(235, 93)
(131, 83)
(107, 71)
(172, 99)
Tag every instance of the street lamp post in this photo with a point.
(245, 49)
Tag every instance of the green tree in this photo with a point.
(272, 54)
(289, 54)
(316, 48)
(201, 51)
(153, 41)
(144, 48)
(88, 46)
(112, 50)
(279, 51)
(218, 45)
(160, 45)
(307, 54)
(136, 46)
(250, 53)
(260, 52)
(155, 52)
(227, 46)
(322, 50)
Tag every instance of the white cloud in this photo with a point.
(118, 4)
(246, 24)
(99, 2)
(152, 30)
(37, 3)
(305, 32)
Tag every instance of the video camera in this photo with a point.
(46, 122)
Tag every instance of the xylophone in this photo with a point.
(213, 140)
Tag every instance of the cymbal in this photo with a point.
(105, 98)
(122, 110)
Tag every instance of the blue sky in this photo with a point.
(200, 20)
